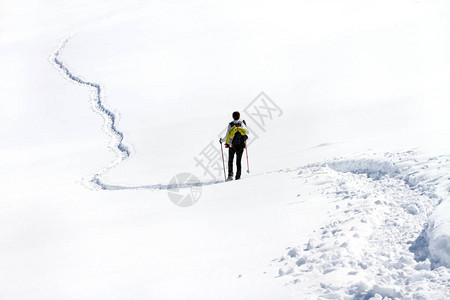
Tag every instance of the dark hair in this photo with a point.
(236, 115)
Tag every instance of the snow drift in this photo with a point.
(438, 233)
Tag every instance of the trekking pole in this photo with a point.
(246, 154)
(223, 161)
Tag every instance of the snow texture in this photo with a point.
(438, 235)
(369, 249)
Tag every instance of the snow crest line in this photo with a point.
(110, 118)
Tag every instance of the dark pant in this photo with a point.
(231, 152)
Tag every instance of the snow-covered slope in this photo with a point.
(104, 102)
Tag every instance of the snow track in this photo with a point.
(104, 186)
(376, 243)
(110, 127)
(98, 105)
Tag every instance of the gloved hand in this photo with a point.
(220, 140)
(226, 145)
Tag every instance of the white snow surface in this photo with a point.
(104, 102)
(438, 235)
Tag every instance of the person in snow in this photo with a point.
(234, 140)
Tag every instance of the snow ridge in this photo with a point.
(371, 167)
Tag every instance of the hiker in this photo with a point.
(235, 142)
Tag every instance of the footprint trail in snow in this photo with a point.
(122, 151)
(98, 105)
(371, 248)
